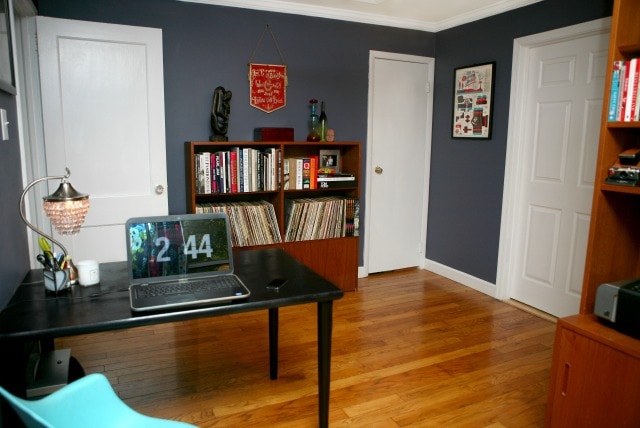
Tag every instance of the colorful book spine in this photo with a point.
(245, 170)
(215, 173)
(298, 174)
(306, 173)
(221, 167)
(286, 174)
(233, 171)
(238, 167)
(314, 172)
(614, 96)
(631, 89)
(199, 175)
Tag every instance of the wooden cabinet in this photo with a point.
(595, 374)
(337, 258)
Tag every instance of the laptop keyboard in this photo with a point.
(155, 290)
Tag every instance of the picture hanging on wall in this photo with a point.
(267, 82)
(473, 101)
(267, 86)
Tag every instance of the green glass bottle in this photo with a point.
(323, 123)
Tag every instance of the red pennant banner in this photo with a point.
(267, 86)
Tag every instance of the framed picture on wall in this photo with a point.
(473, 101)
(7, 79)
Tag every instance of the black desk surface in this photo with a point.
(34, 314)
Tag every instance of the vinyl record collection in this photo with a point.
(252, 223)
(321, 218)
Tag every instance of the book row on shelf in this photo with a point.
(623, 99)
(321, 218)
(237, 170)
(306, 173)
(255, 223)
(255, 170)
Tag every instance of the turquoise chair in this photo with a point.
(88, 402)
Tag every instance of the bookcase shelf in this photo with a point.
(590, 356)
(630, 125)
(336, 258)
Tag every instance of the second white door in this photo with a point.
(400, 107)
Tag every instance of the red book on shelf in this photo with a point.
(624, 77)
(233, 171)
(314, 172)
(632, 91)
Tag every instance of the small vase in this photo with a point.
(314, 123)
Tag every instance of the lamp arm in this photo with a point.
(24, 216)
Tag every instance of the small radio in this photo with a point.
(618, 303)
(626, 171)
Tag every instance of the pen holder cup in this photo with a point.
(56, 281)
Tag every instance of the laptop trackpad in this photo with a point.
(180, 298)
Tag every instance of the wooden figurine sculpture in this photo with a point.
(220, 111)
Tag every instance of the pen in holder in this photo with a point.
(59, 272)
(56, 281)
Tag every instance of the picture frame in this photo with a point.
(473, 101)
(329, 160)
(7, 74)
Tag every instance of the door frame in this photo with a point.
(363, 271)
(29, 117)
(514, 155)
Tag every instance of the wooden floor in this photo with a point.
(410, 349)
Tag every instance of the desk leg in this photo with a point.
(273, 343)
(325, 322)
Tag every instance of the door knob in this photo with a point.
(378, 170)
(159, 189)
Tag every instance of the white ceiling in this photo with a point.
(426, 15)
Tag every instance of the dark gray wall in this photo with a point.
(206, 46)
(13, 234)
(465, 197)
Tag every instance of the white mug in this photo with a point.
(88, 272)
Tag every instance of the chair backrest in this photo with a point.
(87, 402)
(26, 414)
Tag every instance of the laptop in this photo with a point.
(180, 261)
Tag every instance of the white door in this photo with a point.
(553, 172)
(103, 117)
(400, 112)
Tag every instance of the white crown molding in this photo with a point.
(475, 15)
(283, 6)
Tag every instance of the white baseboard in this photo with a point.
(460, 277)
(452, 274)
(362, 272)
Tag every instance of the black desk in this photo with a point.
(34, 315)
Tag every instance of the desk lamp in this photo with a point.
(66, 208)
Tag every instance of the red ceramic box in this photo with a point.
(273, 134)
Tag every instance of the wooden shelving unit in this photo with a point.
(336, 259)
(596, 370)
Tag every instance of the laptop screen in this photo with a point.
(178, 247)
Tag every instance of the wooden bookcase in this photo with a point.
(596, 370)
(335, 259)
